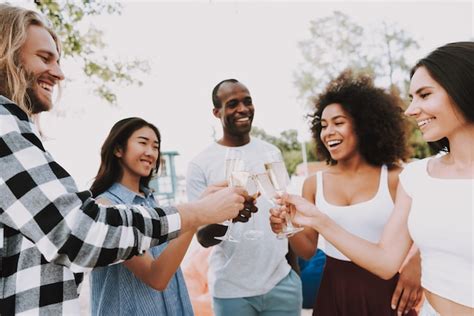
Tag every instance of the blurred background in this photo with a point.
(160, 60)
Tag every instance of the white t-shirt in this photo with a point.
(250, 267)
(441, 225)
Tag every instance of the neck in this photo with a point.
(461, 147)
(234, 140)
(352, 165)
(131, 183)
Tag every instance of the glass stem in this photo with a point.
(289, 224)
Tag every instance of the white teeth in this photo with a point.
(424, 122)
(46, 86)
(244, 119)
(334, 142)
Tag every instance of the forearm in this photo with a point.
(206, 235)
(373, 257)
(413, 257)
(165, 266)
(304, 244)
(189, 217)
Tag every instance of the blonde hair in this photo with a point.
(14, 24)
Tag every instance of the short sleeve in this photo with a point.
(412, 176)
(195, 182)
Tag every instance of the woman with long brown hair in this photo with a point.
(151, 284)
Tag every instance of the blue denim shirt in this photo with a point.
(116, 291)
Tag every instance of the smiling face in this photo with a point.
(337, 132)
(40, 58)
(139, 157)
(435, 112)
(236, 111)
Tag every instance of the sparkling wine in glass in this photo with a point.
(233, 165)
(278, 180)
(252, 232)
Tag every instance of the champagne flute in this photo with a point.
(275, 184)
(253, 233)
(233, 164)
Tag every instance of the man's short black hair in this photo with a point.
(215, 99)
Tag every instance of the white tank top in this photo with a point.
(441, 225)
(366, 219)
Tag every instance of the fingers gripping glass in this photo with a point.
(234, 166)
(273, 184)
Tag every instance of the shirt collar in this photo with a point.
(127, 195)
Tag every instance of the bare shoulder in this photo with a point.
(310, 182)
(309, 187)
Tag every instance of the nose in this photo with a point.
(329, 130)
(412, 109)
(57, 72)
(242, 107)
(150, 151)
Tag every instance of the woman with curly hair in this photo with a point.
(360, 132)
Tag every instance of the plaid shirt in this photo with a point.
(50, 233)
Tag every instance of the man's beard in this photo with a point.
(36, 105)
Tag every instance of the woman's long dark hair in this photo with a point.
(452, 66)
(110, 170)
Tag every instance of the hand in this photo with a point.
(408, 292)
(277, 219)
(249, 208)
(305, 213)
(214, 188)
(220, 205)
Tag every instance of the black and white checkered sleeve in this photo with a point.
(40, 199)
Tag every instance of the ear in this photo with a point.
(217, 112)
(118, 152)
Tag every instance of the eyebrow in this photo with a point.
(335, 117)
(147, 139)
(419, 90)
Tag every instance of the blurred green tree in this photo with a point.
(337, 43)
(289, 145)
(84, 43)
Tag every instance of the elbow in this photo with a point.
(307, 252)
(386, 272)
(306, 255)
(159, 285)
(386, 276)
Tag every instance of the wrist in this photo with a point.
(320, 221)
(189, 217)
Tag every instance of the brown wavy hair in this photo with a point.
(379, 123)
(110, 170)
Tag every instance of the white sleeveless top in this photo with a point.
(441, 225)
(366, 219)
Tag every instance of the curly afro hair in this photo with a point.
(379, 123)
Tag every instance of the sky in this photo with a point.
(193, 45)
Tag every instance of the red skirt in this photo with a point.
(349, 290)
